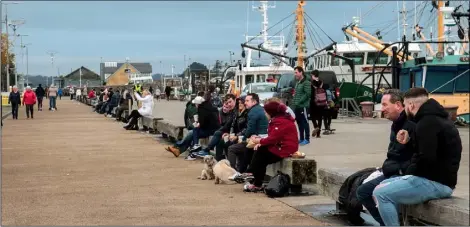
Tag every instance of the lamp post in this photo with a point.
(7, 43)
(25, 46)
(52, 54)
(231, 53)
(22, 57)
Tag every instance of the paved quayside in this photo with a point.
(357, 143)
(74, 167)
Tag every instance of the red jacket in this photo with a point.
(282, 137)
(29, 98)
(91, 94)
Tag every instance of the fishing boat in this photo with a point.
(247, 72)
(445, 73)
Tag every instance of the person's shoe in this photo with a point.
(190, 157)
(174, 150)
(251, 188)
(202, 153)
(304, 142)
(315, 131)
(195, 148)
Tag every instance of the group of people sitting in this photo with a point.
(423, 156)
(248, 135)
(108, 100)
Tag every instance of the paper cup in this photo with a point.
(263, 135)
(196, 118)
(240, 138)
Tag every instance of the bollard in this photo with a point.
(367, 109)
(452, 111)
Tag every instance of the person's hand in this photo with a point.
(256, 147)
(256, 140)
(403, 137)
(254, 137)
(224, 135)
(233, 138)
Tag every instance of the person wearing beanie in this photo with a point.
(282, 141)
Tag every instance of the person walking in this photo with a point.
(301, 103)
(29, 99)
(60, 93)
(72, 92)
(52, 92)
(15, 100)
(40, 93)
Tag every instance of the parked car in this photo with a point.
(264, 90)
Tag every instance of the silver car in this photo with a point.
(264, 90)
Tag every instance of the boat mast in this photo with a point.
(440, 26)
(300, 34)
(263, 8)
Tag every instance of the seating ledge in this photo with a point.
(301, 171)
(452, 211)
(171, 129)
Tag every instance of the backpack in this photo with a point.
(320, 97)
(278, 186)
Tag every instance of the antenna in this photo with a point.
(263, 8)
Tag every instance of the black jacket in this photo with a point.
(14, 98)
(208, 116)
(40, 92)
(438, 145)
(398, 155)
(237, 123)
(347, 195)
(226, 120)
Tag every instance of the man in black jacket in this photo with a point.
(398, 155)
(40, 95)
(227, 114)
(432, 173)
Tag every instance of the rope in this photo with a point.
(319, 27)
(449, 81)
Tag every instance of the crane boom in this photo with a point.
(300, 34)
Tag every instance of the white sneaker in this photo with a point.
(237, 174)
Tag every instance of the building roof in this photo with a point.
(111, 67)
(86, 74)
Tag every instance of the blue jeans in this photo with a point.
(302, 123)
(406, 190)
(201, 133)
(216, 138)
(52, 102)
(364, 195)
(186, 142)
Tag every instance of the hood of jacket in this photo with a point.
(431, 107)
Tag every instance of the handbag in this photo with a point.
(278, 186)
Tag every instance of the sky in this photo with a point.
(82, 33)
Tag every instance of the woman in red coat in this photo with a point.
(281, 142)
(29, 99)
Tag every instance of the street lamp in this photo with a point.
(231, 53)
(52, 53)
(25, 46)
(22, 57)
(7, 43)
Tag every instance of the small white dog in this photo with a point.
(222, 171)
(208, 171)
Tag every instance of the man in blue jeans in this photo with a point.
(432, 173)
(301, 103)
(398, 155)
